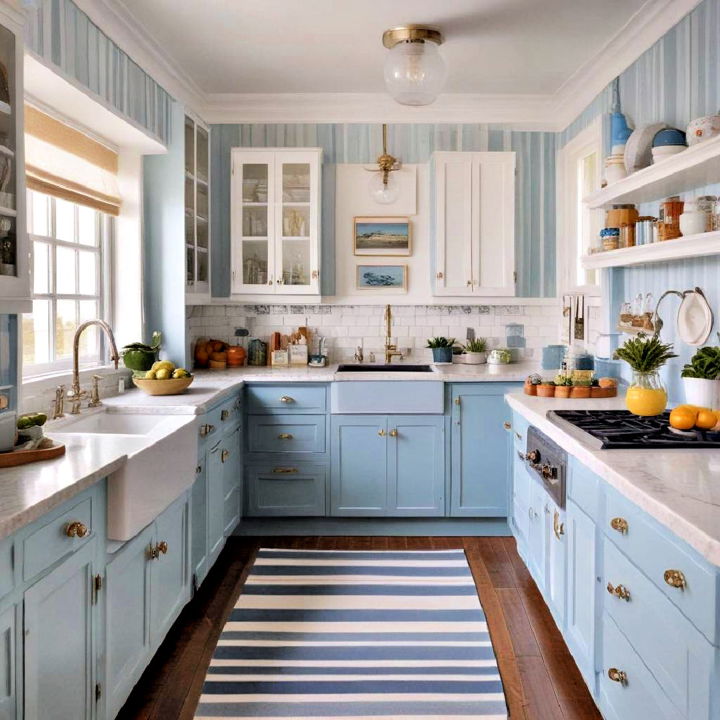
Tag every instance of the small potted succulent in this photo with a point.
(475, 351)
(580, 388)
(563, 385)
(442, 349)
(646, 395)
(701, 378)
(546, 389)
(531, 384)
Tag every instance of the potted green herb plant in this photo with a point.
(475, 351)
(442, 349)
(701, 378)
(645, 355)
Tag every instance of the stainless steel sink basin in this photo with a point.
(384, 368)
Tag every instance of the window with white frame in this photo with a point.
(579, 172)
(70, 244)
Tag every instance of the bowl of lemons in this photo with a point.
(163, 378)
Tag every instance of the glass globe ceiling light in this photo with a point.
(414, 68)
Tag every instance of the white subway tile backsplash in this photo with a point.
(347, 326)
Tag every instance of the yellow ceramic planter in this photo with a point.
(646, 396)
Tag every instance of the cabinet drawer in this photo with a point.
(584, 488)
(286, 433)
(286, 490)
(658, 554)
(641, 696)
(286, 398)
(673, 650)
(57, 537)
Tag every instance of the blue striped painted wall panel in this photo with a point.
(413, 143)
(77, 48)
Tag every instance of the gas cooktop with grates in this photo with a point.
(621, 430)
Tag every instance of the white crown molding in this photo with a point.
(551, 112)
(653, 20)
(531, 112)
(114, 19)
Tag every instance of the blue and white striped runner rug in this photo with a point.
(355, 635)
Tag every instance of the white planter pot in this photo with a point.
(701, 392)
(475, 358)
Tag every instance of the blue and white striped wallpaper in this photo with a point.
(413, 143)
(675, 81)
(66, 39)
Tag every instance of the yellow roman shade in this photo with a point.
(66, 163)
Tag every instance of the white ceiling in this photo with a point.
(515, 47)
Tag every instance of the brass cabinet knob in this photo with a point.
(469, 283)
(224, 455)
(286, 399)
(676, 579)
(381, 433)
(224, 415)
(162, 547)
(206, 429)
(393, 433)
(76, 529)
(619, 524)
(558, 527)
(619, 591)
(507, 425)
(439, 276)
(618, 676)
(284, 470)
(285, 436)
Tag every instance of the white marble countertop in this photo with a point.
(29, 491)
(679, 488)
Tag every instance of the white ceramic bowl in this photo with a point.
(703, 128)
(664, 150)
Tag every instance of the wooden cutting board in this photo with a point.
(23, 457)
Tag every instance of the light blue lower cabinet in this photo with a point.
(8, 659)
(215, 502)
(286, 489)
(479, 448)
(199, 524)
(127, 612)
(231, 460)
(388, 466)
(582, 588)
(59, 641)
(359, 455)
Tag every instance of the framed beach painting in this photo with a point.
(388, 236)
(382, 278)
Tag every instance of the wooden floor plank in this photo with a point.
(540, 679)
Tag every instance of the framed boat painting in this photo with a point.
(382, 236)
(382, 278)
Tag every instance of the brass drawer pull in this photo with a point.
(558, 527)
(285, 436)
(381, 433)
(224, 455)
(206, 430)
(155, 552)
(618, 676)
(393, 433)
(620, 592)
(286, 399)
(284, 470)
(224, 415)
(507, 425)
(162, 547)
(76, 529)
(676, 579)
(619, 524)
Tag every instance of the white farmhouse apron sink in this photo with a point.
(161, 452)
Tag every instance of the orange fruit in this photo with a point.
(706, 419)
(683, 418)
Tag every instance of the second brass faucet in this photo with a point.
(391, 350)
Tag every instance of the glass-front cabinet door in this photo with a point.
(275, 221)
(197, 216)
(297, 219)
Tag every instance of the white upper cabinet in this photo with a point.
(473, 227)
(275, 221)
